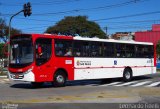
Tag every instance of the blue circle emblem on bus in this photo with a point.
(115, 62)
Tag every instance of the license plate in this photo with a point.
(16, 76)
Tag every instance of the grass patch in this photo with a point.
(3, 72)
(158, 70)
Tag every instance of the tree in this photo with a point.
(4, 30)
(158, 48)
(77, 25)
(1, 50)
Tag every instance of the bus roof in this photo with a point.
(112, 40)
(103, 40)
(91, 39)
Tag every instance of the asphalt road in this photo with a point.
(83, 94)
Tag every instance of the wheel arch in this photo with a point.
(63, 70)
(127, 76)
(129, 68)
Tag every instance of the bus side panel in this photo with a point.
(91, 73)
(94, 68)
(138, 71)
(66, 63)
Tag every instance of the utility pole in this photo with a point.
(106, 30)
(9, 33)
(27, 12)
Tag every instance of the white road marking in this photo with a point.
(91, 84)
(140, 84)
(114, 83)
(6, 79)
(153, 84)
(2, 81)
(124, 84)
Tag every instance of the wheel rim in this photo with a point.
(127, 75)
(60, 79)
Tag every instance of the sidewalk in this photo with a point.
(4, 79)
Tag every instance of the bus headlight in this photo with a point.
(29, 70)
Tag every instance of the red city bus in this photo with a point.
(40, 58)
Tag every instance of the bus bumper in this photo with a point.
(26, 76)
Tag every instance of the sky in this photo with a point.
(116, 15)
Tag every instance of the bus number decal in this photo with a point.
(68, 62)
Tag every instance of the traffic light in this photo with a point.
(27, 9)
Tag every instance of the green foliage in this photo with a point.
(1, 50)
(158, 48)
(4, 30)
(77, 25)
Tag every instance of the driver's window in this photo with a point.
(43, 50)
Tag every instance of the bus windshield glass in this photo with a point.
(21, 50)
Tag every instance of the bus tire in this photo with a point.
(37, 84)
(127, 75)
(59, 79)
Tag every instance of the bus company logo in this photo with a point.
(78, 62)
(83, 63)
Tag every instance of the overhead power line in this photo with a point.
(135, 27)
(92, 9)
(58, 2)
(95, 8)
(38, 20)
(118, 17)
(115, 27)
(113, 23)
(136, 21)
(35, 27)
(126, 16)
(88, 9)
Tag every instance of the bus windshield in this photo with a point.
(21, 50)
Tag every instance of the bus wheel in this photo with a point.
(127, 75)
(59, 79)
(37, 84)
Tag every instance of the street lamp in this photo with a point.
(27, 12)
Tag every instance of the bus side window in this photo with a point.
(139, 51)
(108, 49)
(150, 51)
(63, 47)
(68, 52)
(118, 50)
(96, 49)
(59, 49)
(129, 51)
(43, 45)
(77, 48)
(85, 49)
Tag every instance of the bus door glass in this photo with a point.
(43, 50)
